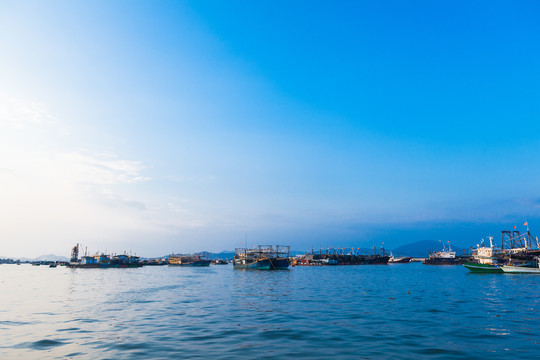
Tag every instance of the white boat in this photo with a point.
(398, 260)
(485, 258)
(487, 254)
(533, 268)
(444, 257)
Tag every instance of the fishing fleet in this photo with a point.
(517, 253)
(102, 260)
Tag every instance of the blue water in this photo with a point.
(401, 311)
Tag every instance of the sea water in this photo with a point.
(400, 311)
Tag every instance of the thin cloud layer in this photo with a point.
(103, 169)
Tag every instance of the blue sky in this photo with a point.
(189, 125)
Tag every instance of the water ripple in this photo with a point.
(355, 312)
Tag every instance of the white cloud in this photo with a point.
(102, 169)
(25, 114)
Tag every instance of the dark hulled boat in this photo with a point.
(245, 258)
(445, 257)
(125, 261)
(343, 257)
(278, 255)
(200, 259)
(399, 260)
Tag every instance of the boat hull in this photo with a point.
(377, 260)
(279, 263)
(444, 261)
(198, 263)
(89, 266)
(520, 270)
(483, 268)
(264, 264)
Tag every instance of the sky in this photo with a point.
(181, 126)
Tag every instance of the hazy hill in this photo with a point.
(51, 257)
(422, 249)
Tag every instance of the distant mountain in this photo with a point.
(422, 248)
(51, 257)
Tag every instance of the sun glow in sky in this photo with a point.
(190, 125)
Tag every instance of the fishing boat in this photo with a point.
(532, 267)
(519, 247)
(444, 257)
(91, 262)
(245, 258)
(278, 255)
(376, 259)
(486, 259)
(200, 259)
(399, 260)
(125, 261)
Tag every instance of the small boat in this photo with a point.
(200, 259)
(399, 260)
(527, 268)
(220, 262)
(52, 265)
(444, 257)
(483, 268)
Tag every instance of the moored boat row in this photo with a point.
(342, 256)
(102, 260)
(518, 253)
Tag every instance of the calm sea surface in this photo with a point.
(348, 312)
